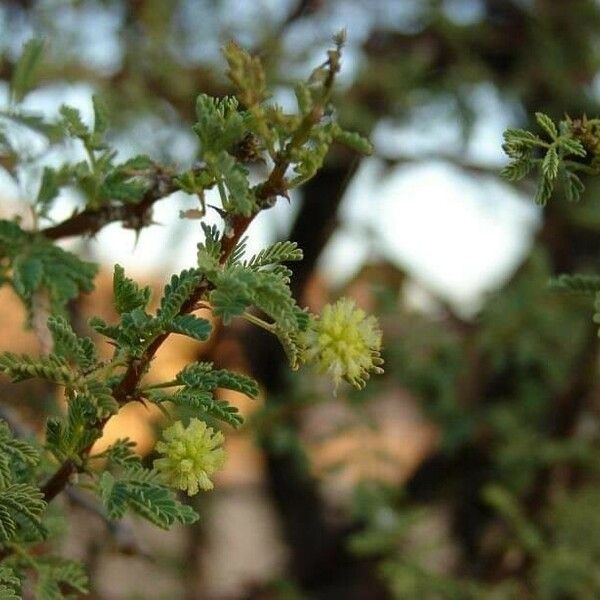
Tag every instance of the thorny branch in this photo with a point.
(275, 185)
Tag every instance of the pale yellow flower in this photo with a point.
(345, 343)
(192, 455)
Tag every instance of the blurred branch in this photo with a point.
(471, 168)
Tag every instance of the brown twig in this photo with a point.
(91, 220)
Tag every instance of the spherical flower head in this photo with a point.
(192, 455)
(345, 343)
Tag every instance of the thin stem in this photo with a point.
(91, 158)
(259, 322)
(222, 194)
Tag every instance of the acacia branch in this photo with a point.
(91, 220)
(125, 390)
(266, 193)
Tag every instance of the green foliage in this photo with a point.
(67, 345)
(26, 69)
(278, 253)
(56, 575)
(101, 180)
(194, 327)
(137, 329)
(52, 368)
(121, 454)
(139, 491)
(128, 295)
(21, 504)
(10, 584)
(176, 292)
(199, 383)
(52, 181)
(247, 75)
(66, 438)
(237, 288)
(233, 133)
(14, 454)
(21, 510)
(34, 265)
(558, 157)
(220, 126)
(261, 282)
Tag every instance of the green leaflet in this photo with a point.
(10, 584)
(200, 402)
(247, 75)
(308, 159)
(38, 265)
(72, 123)
(121, 454)
(303, 97)
(192, 326)
(199, 382)
(101, 121)
(277, 253)
(202, 375)
(238, 287)
(219, 126)
(26, 69)
(353, 140)
(546, 123)
(139, 491)
(518, 169)
(99, 178)
(263, 282)
(127, 294)
(209, 252)
(69, 346)
(14, 453)
(99, 394)
(21, 510)
(199, 375)
(89, 403)
(236, 195)
(176, 292)
(51, 367)
(52, 181)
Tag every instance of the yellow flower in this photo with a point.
(192, 455)
(345, 343)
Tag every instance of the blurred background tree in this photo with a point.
(491, 378)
